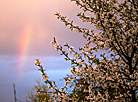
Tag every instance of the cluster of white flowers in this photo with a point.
(112, 78)
(37, 62)
(44, 76)
(55, 43)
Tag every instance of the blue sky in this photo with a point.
(27, 27)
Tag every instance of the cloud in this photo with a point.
(34, 23)
(23, 72)
(26, 29)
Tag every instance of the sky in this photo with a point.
(26, 29)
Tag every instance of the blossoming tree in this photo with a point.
(38, 93)
(109, 78)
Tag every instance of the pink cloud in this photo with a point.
(39, 15)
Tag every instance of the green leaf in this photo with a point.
(66, 59)
(66, 54)
(39, 69)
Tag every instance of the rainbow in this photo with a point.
(25, 38)
(26, 34)
(24, 46)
